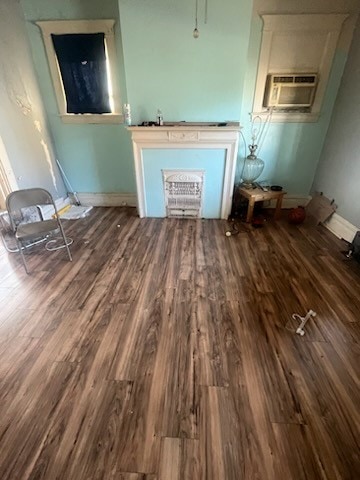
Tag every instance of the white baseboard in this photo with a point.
(129, 199)
(292, 201)
(341, 227)
(107, 199)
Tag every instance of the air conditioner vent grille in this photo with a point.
(294, 79)
(305, 79)
(283, 79)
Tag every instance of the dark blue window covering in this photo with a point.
(82, 63)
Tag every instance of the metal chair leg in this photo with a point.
(22, 255)
(65, 242)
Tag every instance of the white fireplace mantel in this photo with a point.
(187, 136)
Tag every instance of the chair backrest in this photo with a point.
(29, 197)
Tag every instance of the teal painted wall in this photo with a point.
(211, 161)
(163, 66)
(188, 79)
(192, 80)
(96, 158)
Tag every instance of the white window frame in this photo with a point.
(329, 24)
(61, 27)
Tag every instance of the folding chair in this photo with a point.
(20, 199)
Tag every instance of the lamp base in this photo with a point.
(253, 168)
(248, 185)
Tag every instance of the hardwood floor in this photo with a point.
(164, 351)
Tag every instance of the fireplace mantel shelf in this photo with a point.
(189, 126)
(187, 135)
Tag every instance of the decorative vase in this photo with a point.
(253, 167)
(297, 215)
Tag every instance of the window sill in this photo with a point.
(92, 118)
(288, 117)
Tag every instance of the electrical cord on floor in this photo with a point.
(69, 241)
(233, 230)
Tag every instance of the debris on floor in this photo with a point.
(320, 208)
(75, 212)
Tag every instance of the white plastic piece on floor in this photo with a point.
(300, 330)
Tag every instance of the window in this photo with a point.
(82, 62)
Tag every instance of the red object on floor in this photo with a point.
(297, 215)
(258, 222)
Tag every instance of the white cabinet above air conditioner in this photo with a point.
(290, 91)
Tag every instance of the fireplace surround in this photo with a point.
(186, 137)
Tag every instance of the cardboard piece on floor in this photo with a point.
(320, 208)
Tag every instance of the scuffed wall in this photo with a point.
(23, 126)
(338, 172)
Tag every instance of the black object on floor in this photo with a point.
(354, 251)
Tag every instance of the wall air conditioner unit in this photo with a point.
(293, 91)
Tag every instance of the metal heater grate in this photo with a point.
(183, 192)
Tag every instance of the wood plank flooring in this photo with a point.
(166, 351)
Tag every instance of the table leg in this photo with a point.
(278, 208)
(250, 210)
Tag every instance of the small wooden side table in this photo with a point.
(258, 195)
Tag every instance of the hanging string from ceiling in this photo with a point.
(196, 32)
